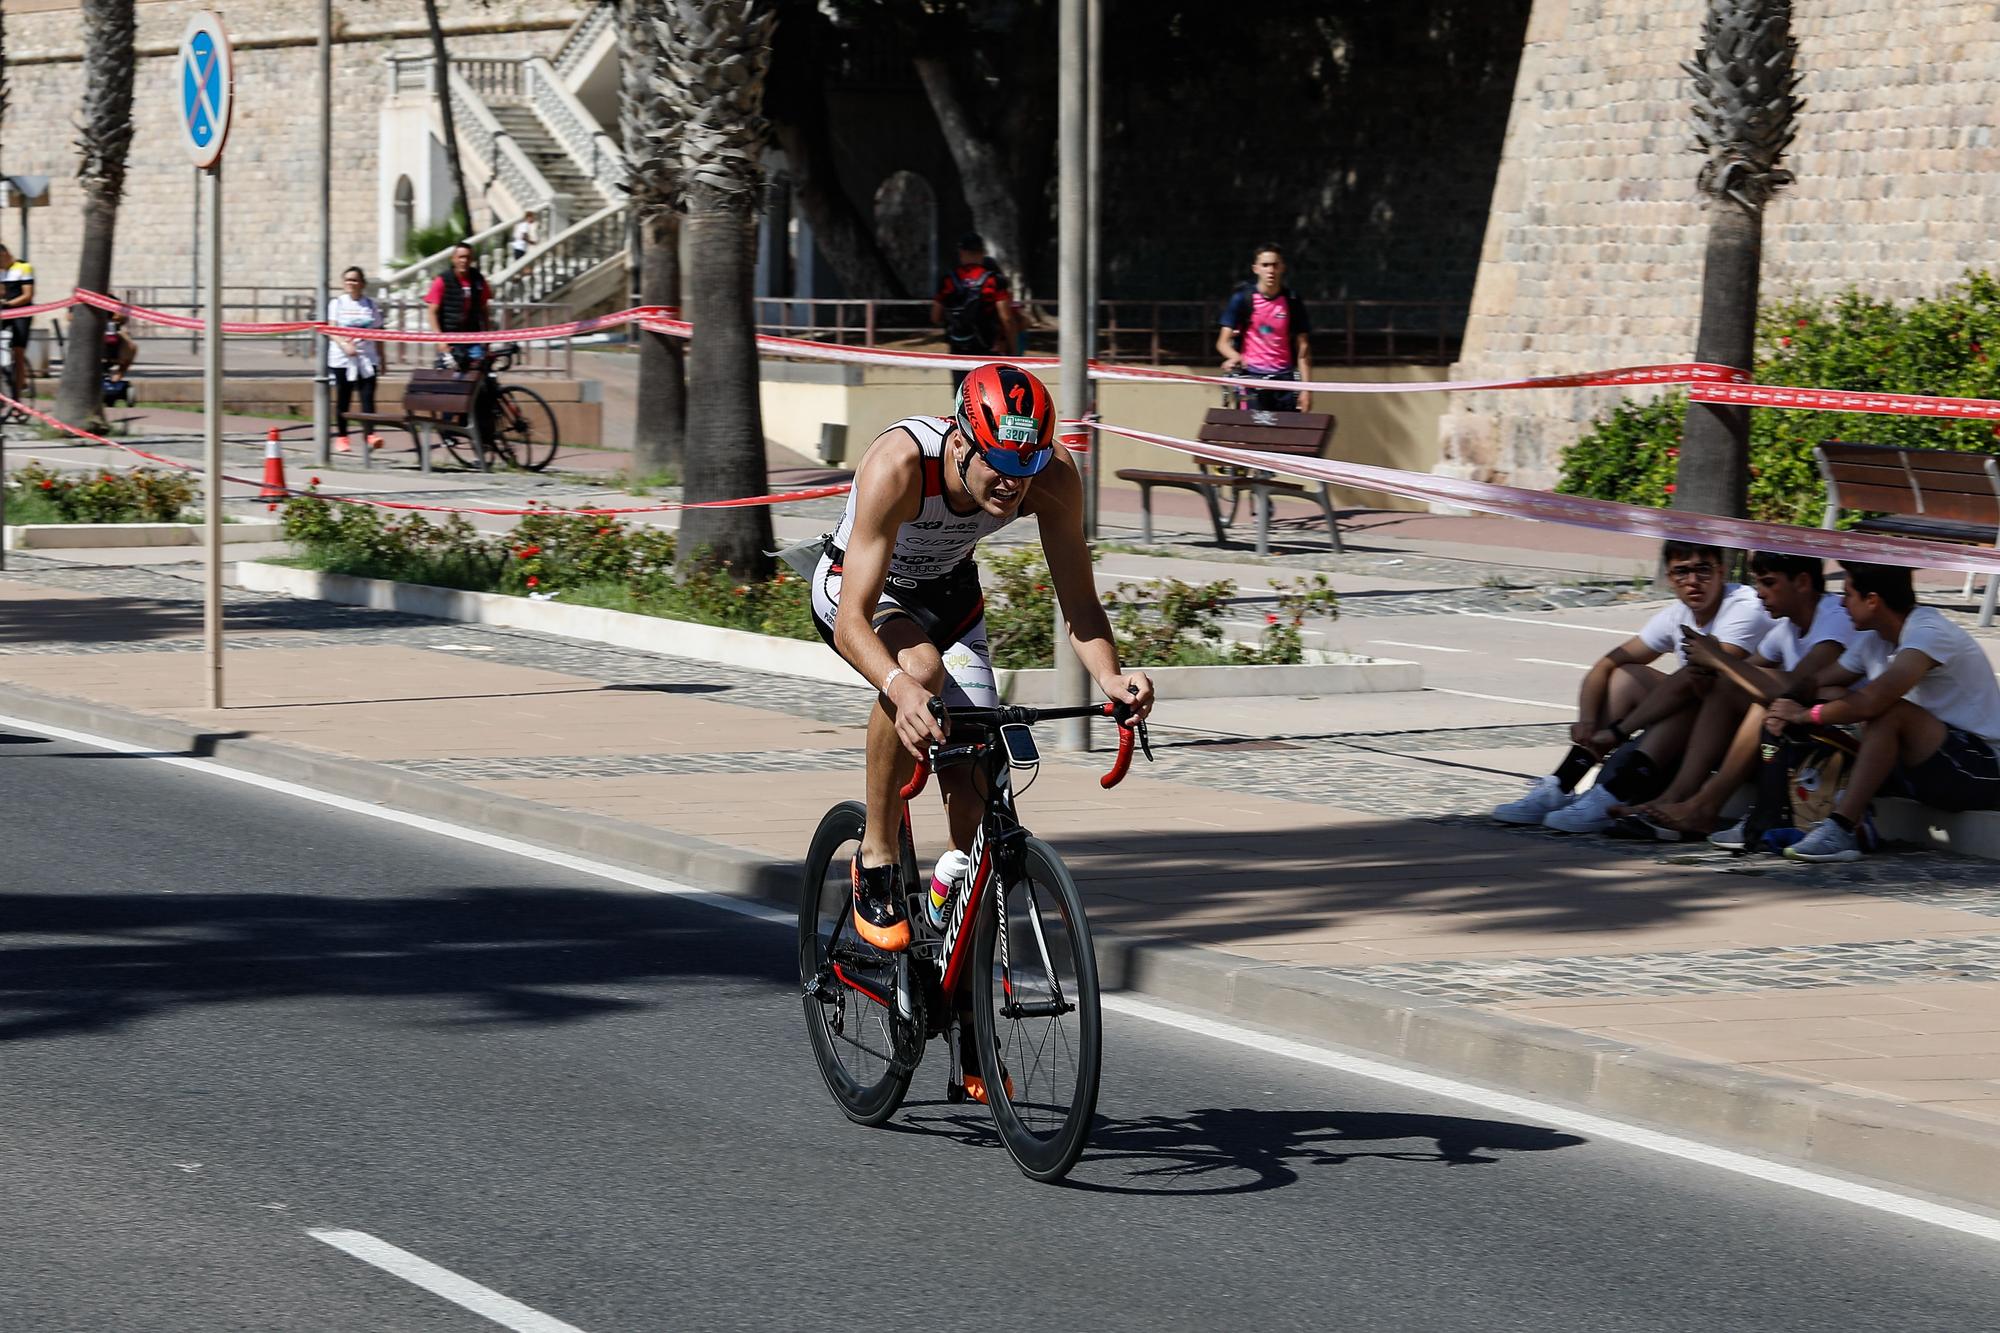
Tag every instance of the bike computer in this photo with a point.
(1020, 743)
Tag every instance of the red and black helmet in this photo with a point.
(1008, 418)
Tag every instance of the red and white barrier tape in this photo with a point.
(1707, 382)
(1604, 515)
(786, 497)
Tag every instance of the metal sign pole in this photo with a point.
(211, 404)
(322, 377)
(1073, 685)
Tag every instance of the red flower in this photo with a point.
(1975, 349)
(48, 485)
(534, 582)
(603, 531)
(1270, 619)
(1784, 342)
(1673, 453)
(1802, 323)
(528, 552)
(742, 591)
(312, 481)
(1670, 488)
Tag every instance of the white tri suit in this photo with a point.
(932, 577)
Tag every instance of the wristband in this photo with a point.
(890, 679)
(1813, 715)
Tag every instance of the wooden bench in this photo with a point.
(1939, 494)
(435, 403)
(1299, 434)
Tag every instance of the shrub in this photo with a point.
(1934, 346)
(143, 495)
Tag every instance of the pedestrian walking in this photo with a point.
(355, 362)
(973, 305)
(1266, 335)
(522, 238)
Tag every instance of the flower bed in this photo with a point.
(38, 495)
(587, 560)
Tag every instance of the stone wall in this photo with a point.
(1593, 249)
(270, 168)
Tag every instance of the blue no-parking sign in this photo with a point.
(203, 84)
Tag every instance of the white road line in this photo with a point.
(1582, 1122)
(1550, 624)
(1427, 647)
(1500, 698)
(1833, 1187)
(420, 1272)
(1550, 661)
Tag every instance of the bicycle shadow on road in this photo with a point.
(1244, 1150)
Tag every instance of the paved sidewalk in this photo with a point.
(1319, 864)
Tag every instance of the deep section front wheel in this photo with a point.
(865, 1048)
(1036, 1015)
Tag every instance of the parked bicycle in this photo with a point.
(519, 424)
(1025, 969)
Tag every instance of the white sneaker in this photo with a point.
(1588, 813)
(1828, 842)
(1732, 838)
(1546, 795)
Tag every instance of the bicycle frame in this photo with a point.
(997, 844)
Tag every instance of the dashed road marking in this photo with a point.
(460, 1291)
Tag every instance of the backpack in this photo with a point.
(968, 323)
(1798, 782)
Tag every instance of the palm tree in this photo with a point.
(716, 56)
(1745, 118)
(653, 179)
(105, 139)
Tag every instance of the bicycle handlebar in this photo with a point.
(1129, 729)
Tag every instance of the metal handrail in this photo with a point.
(490, 242)
(581, 34)
(567, 256)
(508, 164)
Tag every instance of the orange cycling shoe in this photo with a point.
(878, 907)
(975, 1086)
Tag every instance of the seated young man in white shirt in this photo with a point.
(1810, 630)
(1930, 711)
(1623, 696)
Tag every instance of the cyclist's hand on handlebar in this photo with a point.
(916, 726)
(1133, 689)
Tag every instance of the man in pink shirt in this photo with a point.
(1266, 335)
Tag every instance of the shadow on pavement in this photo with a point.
(97, 961)
(1240, 1150)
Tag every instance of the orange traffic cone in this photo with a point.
(274, 488)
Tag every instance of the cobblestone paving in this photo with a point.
(628, 765)
(1791, 967)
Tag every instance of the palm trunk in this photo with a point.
(80, 398)
(659, 435)
(724, 421)
(441, 68)
(109, 28)
(1714, 472)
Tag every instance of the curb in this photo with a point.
(1851, 1133)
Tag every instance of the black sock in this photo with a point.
(1846, 824)
(1574, 765)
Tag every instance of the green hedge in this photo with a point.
(1934, 345)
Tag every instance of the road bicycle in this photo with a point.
(1016, 952)
(523, 432)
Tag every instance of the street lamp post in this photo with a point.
(1073, 293)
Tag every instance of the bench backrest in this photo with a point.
(1298, 433)
(1910, 483)
(440, 393)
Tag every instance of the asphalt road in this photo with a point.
(228, 1017)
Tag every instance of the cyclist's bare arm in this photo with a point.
(1057, 504)
(889, 491)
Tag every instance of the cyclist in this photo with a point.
(896, 593)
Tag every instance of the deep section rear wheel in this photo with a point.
(524, 428)
(1036, 1015)
(865, 1051)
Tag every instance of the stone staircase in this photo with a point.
(578, 194)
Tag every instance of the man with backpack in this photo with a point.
(973, 305)
(1266, 335)
(1929, 709)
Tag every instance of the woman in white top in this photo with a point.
(354, 361)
